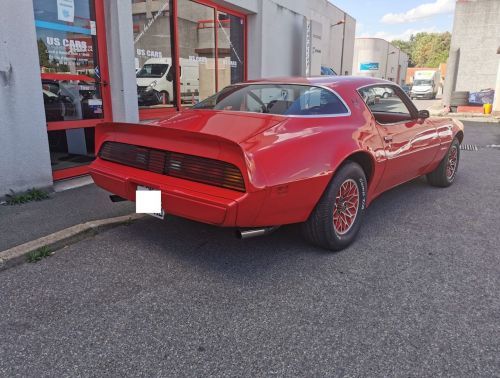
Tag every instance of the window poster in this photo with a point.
(66, 10)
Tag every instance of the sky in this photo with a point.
(398, 19)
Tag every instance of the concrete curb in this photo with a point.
(17, 255)
(474, 117)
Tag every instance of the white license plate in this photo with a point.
(161, 214)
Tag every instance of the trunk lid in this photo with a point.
(235, 126)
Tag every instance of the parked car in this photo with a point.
(327, 71)
(369, 96)
(262, 154)
(406, 89)
(383, 92)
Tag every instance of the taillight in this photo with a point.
(188, 167)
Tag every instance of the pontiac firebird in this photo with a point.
(261, 154)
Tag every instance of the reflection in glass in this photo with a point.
(153, 53)
(197, 51)
(67, 52)
(230, 42)
(71, 148)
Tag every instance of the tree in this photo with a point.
(426, 49)
(43, 53)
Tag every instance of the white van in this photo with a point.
(155, 81)
(425, 84)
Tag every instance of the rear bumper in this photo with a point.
(213, 206)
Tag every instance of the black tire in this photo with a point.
(459, 102)
(160, 97)
(460, 94)
(385, 95)
(459, 98)
(441, 176)
(319, 229)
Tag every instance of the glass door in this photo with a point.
(73, 68)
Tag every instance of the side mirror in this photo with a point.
(422, 114)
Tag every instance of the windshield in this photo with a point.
(422, 82)
(285, 99)
(153, 70)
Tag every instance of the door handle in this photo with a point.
(387, 138)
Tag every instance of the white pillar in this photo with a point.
(496, 101)
(120, 46)
(24, 148)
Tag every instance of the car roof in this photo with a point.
(353, 82)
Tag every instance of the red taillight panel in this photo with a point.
(174, 164)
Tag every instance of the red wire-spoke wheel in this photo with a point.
(451, 166)
(444, 174)
(336, 219)
(346, 206)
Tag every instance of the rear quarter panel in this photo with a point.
(296, 160)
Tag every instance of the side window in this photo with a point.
(317, 101)
(386, 104)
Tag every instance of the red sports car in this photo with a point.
(261, 154)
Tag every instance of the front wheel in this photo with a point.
(336, 219)
(446, 171)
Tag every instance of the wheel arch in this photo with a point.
(365, 160)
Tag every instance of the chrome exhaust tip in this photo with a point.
(115, 198)
(254, 232)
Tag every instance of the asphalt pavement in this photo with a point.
(22, 223)
(416, 295)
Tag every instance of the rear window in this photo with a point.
(283, 99)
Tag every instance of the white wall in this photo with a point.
(275, 33)
(119, 40)
(389, 58)
(24, 148)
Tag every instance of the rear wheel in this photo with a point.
(336, 219)
(445, 173)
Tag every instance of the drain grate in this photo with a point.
(468, 147)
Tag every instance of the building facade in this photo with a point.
(375, 57)
(67, 66)
(474, 50)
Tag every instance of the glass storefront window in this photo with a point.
(71, 148)
(196, 51)
(230, 49)
(69, 64)
(153, 53)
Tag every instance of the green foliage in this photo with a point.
(43, 53)
(31, 195)
(39, 254)
(426, 49)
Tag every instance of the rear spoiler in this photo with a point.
(135, 133)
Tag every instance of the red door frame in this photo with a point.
(105, 92)
(145, 114)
